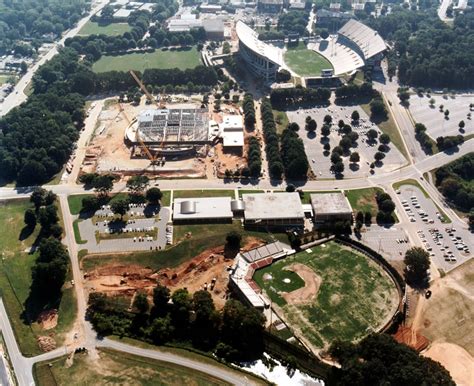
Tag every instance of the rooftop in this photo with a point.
(262, 206)
(202, 208)
(330, 203)
(368, 40)
(250, 38)
(263, 252)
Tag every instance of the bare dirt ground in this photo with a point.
(195, 274)
(310, 290)
(454, 358)
(48, 319)
(446, 320)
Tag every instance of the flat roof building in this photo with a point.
(202, 209)
(232, 131)
(331, 207)
(280, 210)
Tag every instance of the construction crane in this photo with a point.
(160, 105)
(150, 97)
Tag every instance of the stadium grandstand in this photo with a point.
(354, 46)
(263, 59)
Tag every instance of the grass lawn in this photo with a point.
(202, 237)
(112, 29)
(182, 59)
(77, 233)
(75, 200)
(412, 182)
(363, 200)
(281, 120)
(390, 128)
(118, 368)
(355, 294)
(203, 193)
(305, 62)
(15, 278)
(5, 78)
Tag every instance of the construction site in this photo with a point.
(170, 136)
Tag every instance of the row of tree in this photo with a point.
(293, 155)
(249, 111)
(234, 333)
(283, 97)
(449, 142)
(386, 207)
(254, 157)
(424, 139)
(454, 180)
(272, 148)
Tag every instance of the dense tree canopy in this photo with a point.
(430, 53)
(379, 360)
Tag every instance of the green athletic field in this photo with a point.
(112, 29)
(355, 294)
(182, 59)
(305, 62)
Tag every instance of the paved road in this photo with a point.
(21, 366)
(17, 96)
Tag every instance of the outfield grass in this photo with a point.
(305, 62)
(112, 29)
(118, 368)
(363, 200)
(203, 193)
(355, 294)
(390, 128)
(139, 61)
(15, 278)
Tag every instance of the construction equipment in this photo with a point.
(150, 97)
(160, 105)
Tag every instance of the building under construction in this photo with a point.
(173, 130)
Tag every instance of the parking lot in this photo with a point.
(389, 242)
(447, 245)
(433, 118)
(137, 224)
(314, 144)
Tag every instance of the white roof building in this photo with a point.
(232, 131)
(202, 209)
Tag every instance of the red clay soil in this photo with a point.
(411, 338)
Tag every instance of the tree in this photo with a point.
(335, 157)
(379, 156)
(379, 360)
(137, 184)
(355, 116)
(432, 102)
(446, 114)
(461, 125)
(345, 143)
(161, 297)
(417, 263)
(311, 126)
(119, 207)
(338, 167)
(324, 34)
(340, 124)
(377, 108)
(181, 309)
(233, 240)
(325, 130)
(161, 330)
(103, 185)
(384, 138)
(327, 146)
(48, 216)
(153, 195)
(30, 218)
(355, 157)
(23, 67)
(327, 119)
(293, 126)
(372, 134)
(140, 303)
(37, 197)
(367, 217)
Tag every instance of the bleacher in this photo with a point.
(369, 41)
